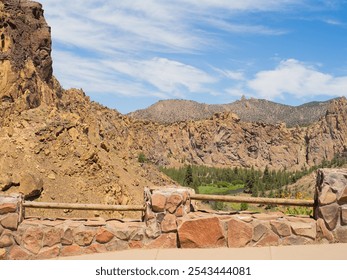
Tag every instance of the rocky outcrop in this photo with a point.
(57, 145)
(224, 140)
(26, 79)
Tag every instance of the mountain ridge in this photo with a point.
(249, 110)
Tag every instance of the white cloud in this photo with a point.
(166, 75)
(294, 78)
(233, 75)
(244, 5)
(244, 28)
(333, 22)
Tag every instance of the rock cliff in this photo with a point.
(55, 144)
(225, 140)
(25, 58)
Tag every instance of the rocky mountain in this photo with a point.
(249, 110)
(57, 145)
(225, 140)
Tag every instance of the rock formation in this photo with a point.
(25, 57)
(56, 144)
(224, 140)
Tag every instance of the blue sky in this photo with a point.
(128, 54)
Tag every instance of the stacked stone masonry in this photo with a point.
(331, 198)
(171, 221)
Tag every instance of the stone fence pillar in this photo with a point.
(11, 215)
(163, 207)
(331, 204)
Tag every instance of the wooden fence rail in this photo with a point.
(255, 200)
(78, 206)
(224, 198)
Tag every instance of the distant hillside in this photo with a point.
(249, 110)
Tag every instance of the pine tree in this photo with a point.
(188, 179)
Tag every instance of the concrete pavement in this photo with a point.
(336, 251)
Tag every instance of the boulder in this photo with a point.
(30, 185)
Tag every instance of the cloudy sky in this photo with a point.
(128, 54)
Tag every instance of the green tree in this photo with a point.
(188, 179)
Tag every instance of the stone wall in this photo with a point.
(171, 221)
(169, 213)
(331, 204)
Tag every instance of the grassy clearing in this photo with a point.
(219, 188)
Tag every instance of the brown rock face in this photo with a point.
(26, 64)
(224, 140)
(201, 233)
